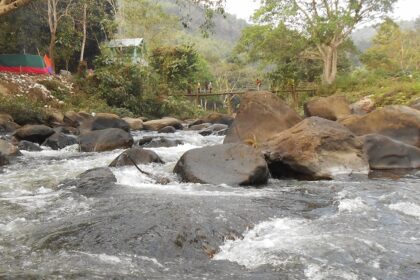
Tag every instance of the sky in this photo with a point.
(404, 9)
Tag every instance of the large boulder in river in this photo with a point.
(59, 141)
(331, 108)
(401, 123)
(156, 125)
(386, 153)
(105, 140)
(315, 149)
(231, 164)
(136, 156)
(34, 133)
(167, 129)
(104, 121)
(261, 116)
(215, 129)
(135, 124)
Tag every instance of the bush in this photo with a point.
(23, 110)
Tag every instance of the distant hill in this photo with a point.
(227, 28)
(362, 37)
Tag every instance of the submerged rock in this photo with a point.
(59, 141)
(138, 155)
(93, 181)
(330, 108)
(261, 116)
(156, 125)
(315, 149)
(167, 129)
(29, 146)
(34, 133)
(74, 119)
(105, 140)
(231, 164)
(158, 142)
(216, 129)
(3, 160)
(386, 153)
(398, 122)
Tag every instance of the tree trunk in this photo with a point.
(51, 50)
(82, 51)
(329, 57)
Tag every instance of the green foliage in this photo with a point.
(179, 67)
(56, 88)
(394, 50)
(22, 109)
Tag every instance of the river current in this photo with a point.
(350, 228)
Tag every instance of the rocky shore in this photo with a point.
(267, 138)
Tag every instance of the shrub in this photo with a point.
(23, 110)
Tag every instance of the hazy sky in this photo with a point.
(404, 9)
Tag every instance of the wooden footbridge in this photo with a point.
(292, 96)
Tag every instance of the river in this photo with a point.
(352, 228)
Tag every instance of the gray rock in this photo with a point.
(91, 182)
(385, 153)
(167, 129)
(214, 129)
(29, 146)
(232, 164)
(138, 155)
(105, 140)
(158, 142)
(104, 121)
(8, 149)
(58, 141)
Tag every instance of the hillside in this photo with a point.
(362, 37)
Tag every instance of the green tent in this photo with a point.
(23, 63)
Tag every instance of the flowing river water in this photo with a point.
(343, 229)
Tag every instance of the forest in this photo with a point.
(196, 42)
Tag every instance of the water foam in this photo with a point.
(407, 208)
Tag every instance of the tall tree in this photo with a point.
(327, 23)
(7, 6)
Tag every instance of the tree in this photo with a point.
(394, 50)
(7, 6)
(326, 23)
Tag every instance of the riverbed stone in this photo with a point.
(215, 129)
(8, 149)
(3, 160)
(231, 164)
(34, 133)
(363, 106)
(198, 127)
(155, 125)
(167, 129)
(7, 125)
(158, 142)
(261, 115)
(29, 146)
(398, 122)
(314, 149)
(134, 123)
(138, 155)
(92, 182)
(218, 118)
(59, 141)
(104, 121)
(105, 140)
(385, 153)
(74, 119)
(331, 108)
